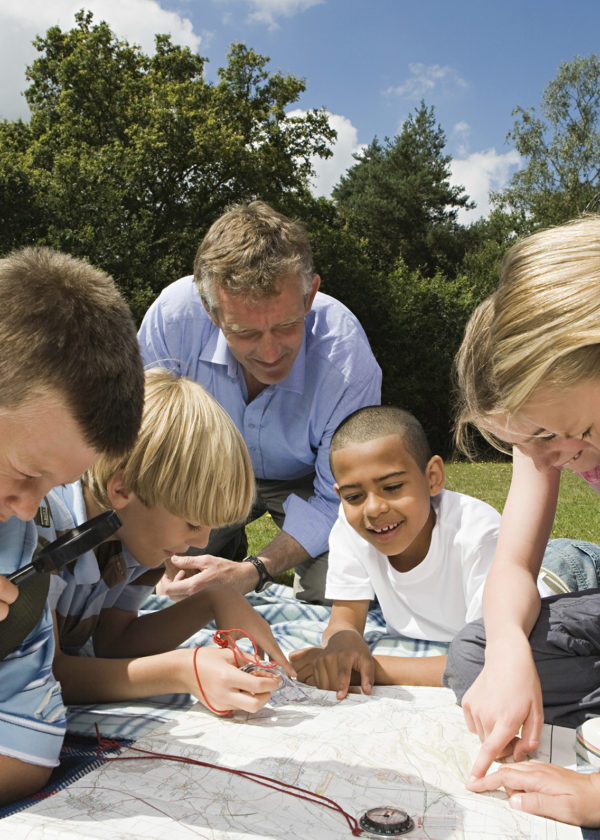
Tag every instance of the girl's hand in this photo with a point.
(505, 697)
(224, 686)
(548, 791)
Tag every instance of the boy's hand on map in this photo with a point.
(304, 662)
(548, 791)
(224, 686)
(8, 595)
(505, 698)
(333, 666)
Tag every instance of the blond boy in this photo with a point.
(188, 472)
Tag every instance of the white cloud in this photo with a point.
(329, 170)
(482, 172)
(267, 11)
(134, 20)
(424, 78)
(461, 133)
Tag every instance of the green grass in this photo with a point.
(577, 514)
(259, 533)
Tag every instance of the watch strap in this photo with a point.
(263, 575)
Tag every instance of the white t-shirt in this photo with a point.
(438, 597)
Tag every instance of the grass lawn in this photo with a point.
(577, 515)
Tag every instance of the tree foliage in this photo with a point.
(398, 197)
(129, 158)
(426, 321)
(561, 145)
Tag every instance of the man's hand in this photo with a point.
(8, 595)
(186, 576)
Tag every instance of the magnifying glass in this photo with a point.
(71, 545)
(33, 580)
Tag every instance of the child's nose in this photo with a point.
(375, 504)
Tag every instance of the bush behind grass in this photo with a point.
(577, 513)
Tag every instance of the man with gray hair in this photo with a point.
(288, 363)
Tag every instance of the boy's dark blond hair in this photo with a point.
(189, 457)
(64, 327)
(247, 251)
(376, 421)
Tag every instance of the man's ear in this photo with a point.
(314, 288)
(435, 475)
(118, 495)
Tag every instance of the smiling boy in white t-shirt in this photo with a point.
(422, 551)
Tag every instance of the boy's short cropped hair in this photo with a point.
(65, 327)
(189, 457)
(376, 421)
(248, 250)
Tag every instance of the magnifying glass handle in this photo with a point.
(22, 574)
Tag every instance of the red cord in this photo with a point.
(265, 781)
(224, 712)
(224, 639)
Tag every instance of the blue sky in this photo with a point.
(368, 62)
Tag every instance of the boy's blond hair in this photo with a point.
(375, 421)
(247, 251)
(189, 457)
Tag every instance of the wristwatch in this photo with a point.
(264, 578)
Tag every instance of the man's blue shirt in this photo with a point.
(288, 426)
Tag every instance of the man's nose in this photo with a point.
(269, 347)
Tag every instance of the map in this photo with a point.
(402, 747)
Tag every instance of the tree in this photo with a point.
(562, 149)
(398, 197)
(129, 158)
(416, 347)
